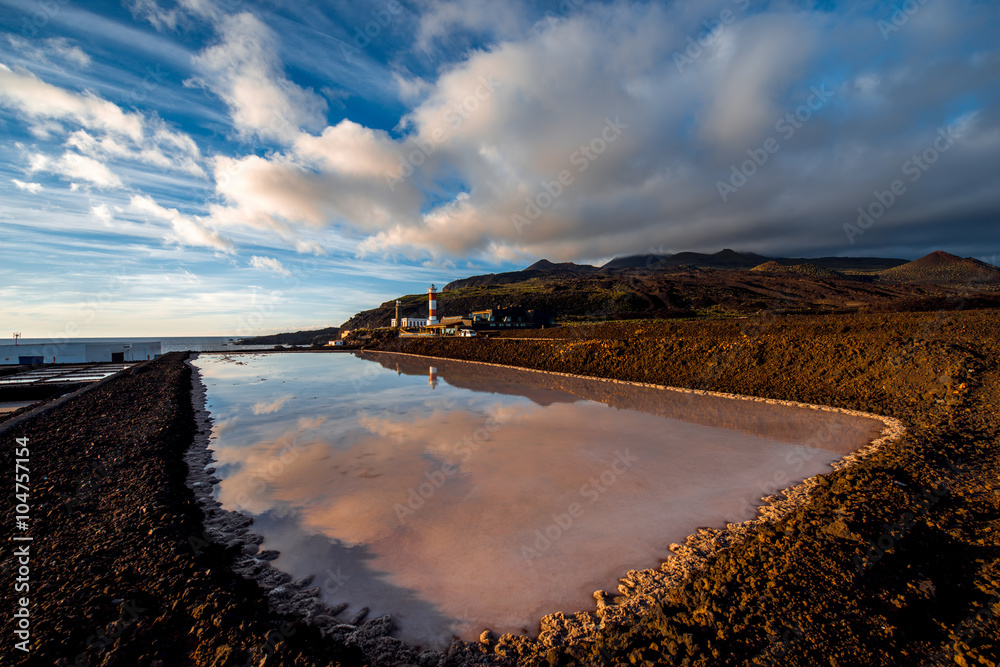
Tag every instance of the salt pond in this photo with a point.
(459, 497)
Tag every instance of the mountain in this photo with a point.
(725, 259)
(636, 262)
(669, 286)
(941, 267)
(806, 269)
(730, 259)
(543, 268)
(546, 265)
(655, 263)
(309, 337)
(846, 264)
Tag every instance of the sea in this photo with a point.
(167, 343)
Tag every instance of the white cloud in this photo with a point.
(165, 149)
(187, 230)
(159, 18)
(762, 55)
(76, 167)
(270, 407)
(309, 247)
(33, 188)
(440, 19)
(244, 70)
(488, 134)
(269, 264)
(74, 54)
(411, 89)
(280, 194)
(170, 19)
(39, 51)
(107, 130)
(103, 214)
(24, 91)
(350, 148)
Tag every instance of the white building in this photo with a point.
(410, 322)
(77, 353)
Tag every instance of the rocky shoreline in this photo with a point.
(892, 560)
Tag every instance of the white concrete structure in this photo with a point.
(410, 322)
(77, 353)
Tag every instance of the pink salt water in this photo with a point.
(459, 497)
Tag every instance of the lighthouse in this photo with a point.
(432, 305)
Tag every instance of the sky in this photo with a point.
(229, 167)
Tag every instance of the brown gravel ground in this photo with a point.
(893, 561)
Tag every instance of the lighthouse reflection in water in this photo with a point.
(459, 497)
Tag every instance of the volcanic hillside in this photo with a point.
(802, 269)
(675, 293)
(727, 283)
(940, 267)
(653, 263)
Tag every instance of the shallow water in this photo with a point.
(459, 497)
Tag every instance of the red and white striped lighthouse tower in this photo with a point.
(432, 304)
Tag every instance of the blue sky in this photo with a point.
(233, 167)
